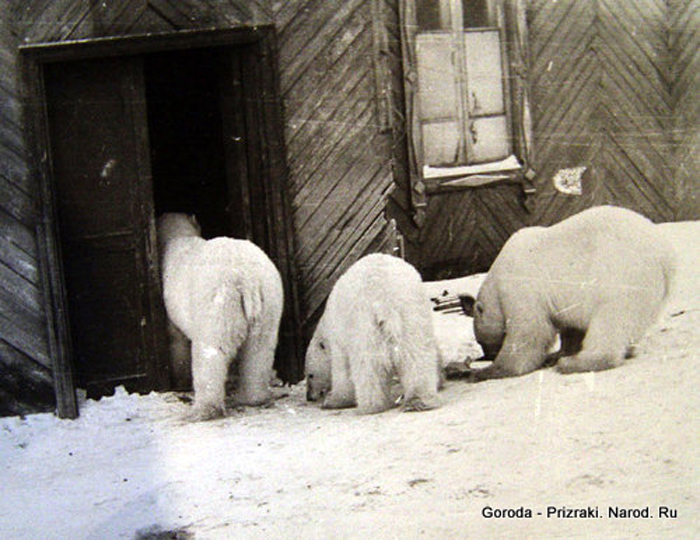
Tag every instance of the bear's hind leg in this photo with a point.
(571, 340)
(256, 359)
(209, 372)
(180, 358)
(605, 344)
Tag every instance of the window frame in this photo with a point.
(511, 24)
(454, 47)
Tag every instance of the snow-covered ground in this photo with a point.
(130, 466)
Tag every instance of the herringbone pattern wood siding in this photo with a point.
(60, 20)
(614, 88)
(339, 162)
(25, 366)
(684, 25)
(603, 97)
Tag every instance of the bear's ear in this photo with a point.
(467, 302)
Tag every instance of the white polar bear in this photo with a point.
(377, 324)
(226, 297)
(598, 278)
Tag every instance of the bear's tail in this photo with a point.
(387, 322)
(244, 292)
(252, 300)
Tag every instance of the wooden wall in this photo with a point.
(25, 365)
(339, 164)
(684, 38)
(613, 87)
(339, 161)
(610, 81)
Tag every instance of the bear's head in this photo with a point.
(489, 323)
(318, 366)
(174, 225)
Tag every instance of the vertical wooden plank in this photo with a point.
(51, 272)
(235, 140)
(408, 27)
(281, 227)
(257, 172)
(97, 126)
(153, 333)
(382, 77)
(517, 54)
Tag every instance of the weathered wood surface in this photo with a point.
(338, 156)
(613, 87)
(25, 363)
(338, 162)
(610, 80)
(684, 38)
(327, 73)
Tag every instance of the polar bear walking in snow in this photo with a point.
(226, 297)
(377, 324)
(598, 278)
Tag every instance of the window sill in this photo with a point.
(443, 179)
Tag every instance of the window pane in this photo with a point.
(428, 15)
(484, 73)
(489, 137)
(475, 13)
(440, 143)
(437, 90)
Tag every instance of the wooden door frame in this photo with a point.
(272, 159)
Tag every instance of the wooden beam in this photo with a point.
(51, 272)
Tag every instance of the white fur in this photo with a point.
(226, 297)
(599, 278)
(377, 324)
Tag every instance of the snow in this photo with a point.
(131, 466)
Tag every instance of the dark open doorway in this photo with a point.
(137, 127)
(186, 132)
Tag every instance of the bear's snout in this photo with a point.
(315, 389)
(315, 395)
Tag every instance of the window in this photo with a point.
(458, 93)
(461, 94)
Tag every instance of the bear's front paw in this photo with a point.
(202, 413)
(457, 370)
(253, 399)
(335, 401)
(568, 364)
(416, 404)
(478, 375)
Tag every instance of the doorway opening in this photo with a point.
(136, 127)
(186, 134)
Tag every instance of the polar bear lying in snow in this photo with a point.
(377, 324)
(226, 297)
(598, 278)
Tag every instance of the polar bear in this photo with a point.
(376, 325)
(598, 278)
(226, 297)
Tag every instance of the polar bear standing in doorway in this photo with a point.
(226, 297)
(377, 324)
(598, 278)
